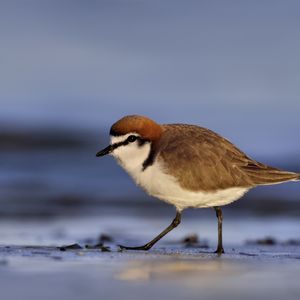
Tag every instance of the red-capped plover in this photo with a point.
(186, 166)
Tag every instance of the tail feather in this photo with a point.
(261, 174)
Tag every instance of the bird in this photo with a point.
(187, 166)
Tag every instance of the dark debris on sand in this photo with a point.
(268, 241)
(271, 241)
(98, 246)
(70, 247)
(193, 241)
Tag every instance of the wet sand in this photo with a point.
(163, 273)
(32, 266)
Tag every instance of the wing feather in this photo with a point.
(203, 160)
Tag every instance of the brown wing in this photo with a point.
(203, 160)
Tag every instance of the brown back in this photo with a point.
(203, 160)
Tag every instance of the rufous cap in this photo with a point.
(145, 127)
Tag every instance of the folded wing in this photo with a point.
(203, 160)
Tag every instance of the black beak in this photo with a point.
(105, 151)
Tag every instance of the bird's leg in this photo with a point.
(220, 249)
(147, 246)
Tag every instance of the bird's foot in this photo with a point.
(220, 251)
(143, 248)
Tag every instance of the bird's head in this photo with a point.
(131, 138)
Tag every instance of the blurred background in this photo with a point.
(69, 69)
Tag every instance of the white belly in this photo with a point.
(163, 186)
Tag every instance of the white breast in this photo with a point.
(156, 182)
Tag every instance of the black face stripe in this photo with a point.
(150, 159)
(140, 141)
(119, 144)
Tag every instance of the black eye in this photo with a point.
(132, 138)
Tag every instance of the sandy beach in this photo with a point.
(168, 273)
(182, 266)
